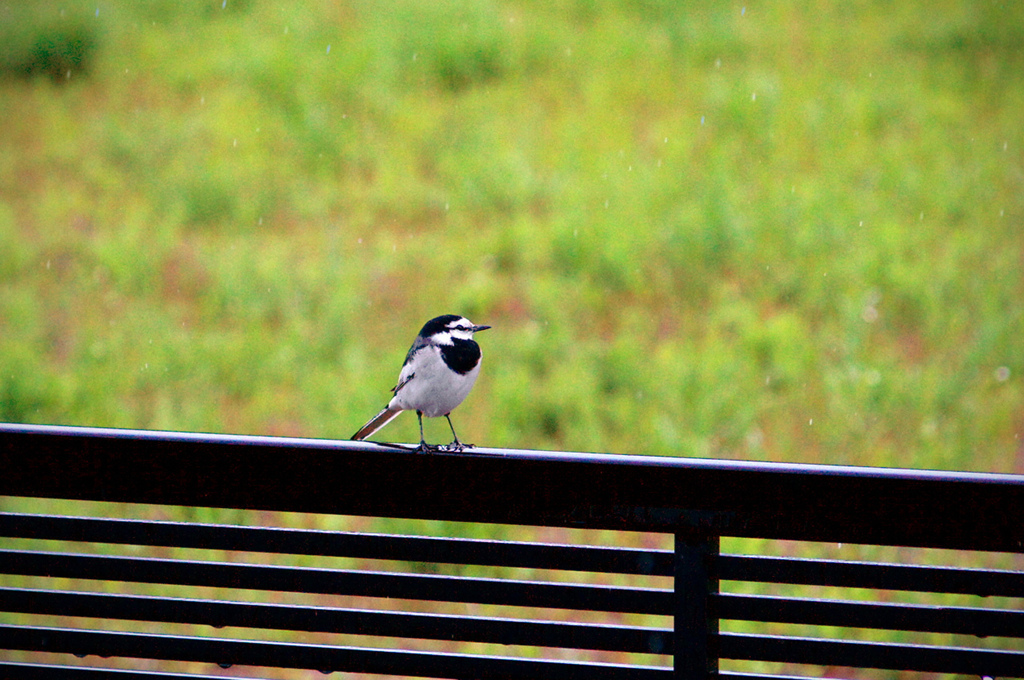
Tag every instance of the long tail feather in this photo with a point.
(376, 423)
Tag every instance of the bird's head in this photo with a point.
(441, 330)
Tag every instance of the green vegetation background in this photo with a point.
(779, 231)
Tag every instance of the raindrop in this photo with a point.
(224, 4)
(811, 421)
(743, 12)
(702, 120)
(1003, 373)
(328, 49)
(81, 656)
(225, 666)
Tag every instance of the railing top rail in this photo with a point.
(521, 454)
(928, 508)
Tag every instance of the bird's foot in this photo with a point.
(424, 447)
(457, 446)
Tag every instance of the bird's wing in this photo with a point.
(408, 372)
(388, 413)
(403, 380)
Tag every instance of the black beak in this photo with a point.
(477, 329)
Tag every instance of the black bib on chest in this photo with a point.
(462, 356)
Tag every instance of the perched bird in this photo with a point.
(438, 373)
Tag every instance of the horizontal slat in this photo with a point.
(931, 659)
(338, 544)
(17, 671)
(848, 574)
(323, 658)
(339, 582)
(33, 671)
(935, 619)
(731, 675)
(874, 506)
(334, 620)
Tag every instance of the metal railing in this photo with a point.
(191, 598)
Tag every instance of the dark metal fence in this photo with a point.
(148, 596)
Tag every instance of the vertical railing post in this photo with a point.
(696, 621)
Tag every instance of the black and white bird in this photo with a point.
(438, 373)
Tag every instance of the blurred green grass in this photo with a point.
(786, 231)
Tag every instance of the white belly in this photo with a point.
(435, 390)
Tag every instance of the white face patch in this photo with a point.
(461, 329)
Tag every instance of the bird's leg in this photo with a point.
(455, 445)
(423, 447)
